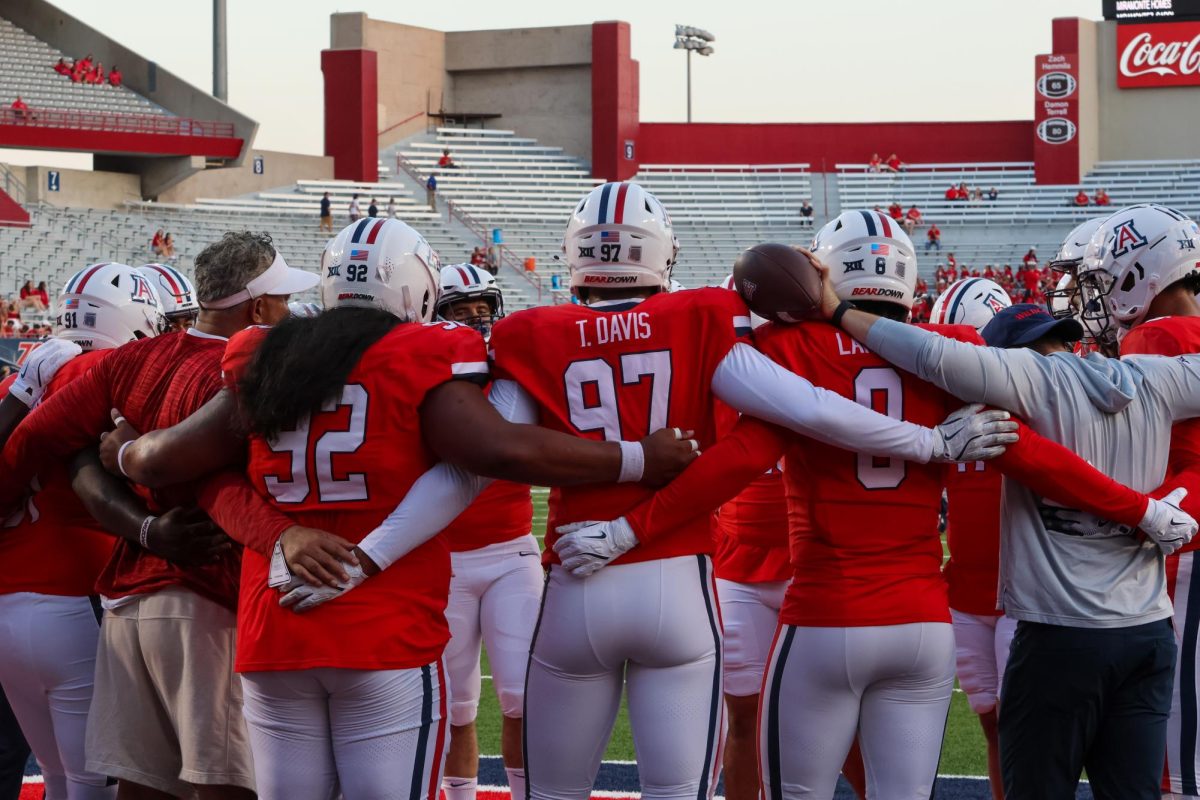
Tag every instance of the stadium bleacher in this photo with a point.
(26, 69)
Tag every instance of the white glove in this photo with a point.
(1165, 523)
(585, 547)
(280, 575)
(304, 597)
(971, 434)
(39, 368)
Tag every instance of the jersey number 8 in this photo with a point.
(880, 389)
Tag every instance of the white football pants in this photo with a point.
(494, 596)
(751, 615)
(653, 627)
(372, 734)
(889, 683)
(47, 668)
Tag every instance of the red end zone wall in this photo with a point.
(825, 144)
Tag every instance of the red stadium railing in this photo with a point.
(114, 122)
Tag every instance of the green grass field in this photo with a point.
(962, 751)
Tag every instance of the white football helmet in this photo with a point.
(107, 305)
(620, 236)
(466, 282)
(969, 301)
(1134, 254)
(869, 256)
(1070, 253)
(381, 263)
(175, 291)
(300, 309)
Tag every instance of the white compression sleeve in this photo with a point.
(442, 493)
(755, 385)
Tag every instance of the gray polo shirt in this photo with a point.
(1117, 415)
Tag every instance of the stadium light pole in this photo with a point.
(692, 40)
(220, 53)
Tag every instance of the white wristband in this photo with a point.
(633, 462)
(144, 533)
(121, 457)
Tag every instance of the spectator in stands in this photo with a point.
(1102, 198)
(875, 164)
(12, 328)
(431, 190)
(114, 76)
(1030, 261)
(168, 246)
(939, 273)
(446, 162)
(20, 109)
(391, 207)
(30, 298)
(951, 261)
(933, 238)
(894, 164)
(896, 211)
(156, 244)
(806, 212)
(61, 67)
(355, 211)
(1081, 198)
(478, 257)
(86, 63)
(989, 273)
(96, 75)
(44, 293)
(952, 192)
(992, 194)
(912, 219)
(77, 71)
(976, 195)
(372, 209)
(326, 213)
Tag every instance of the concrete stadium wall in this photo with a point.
(81, 187)
(410, 64)
(1142, 123)
(279, 169)
(538, 78)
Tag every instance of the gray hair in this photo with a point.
(226, 266)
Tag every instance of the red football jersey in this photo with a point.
(869, 552)
(1174, 336)
(344, 470)
(622, 371)
(752, 544)
(503, 512)
(55, 521)
(973, 536)
(156, 383)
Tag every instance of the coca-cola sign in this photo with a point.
(1165, 54)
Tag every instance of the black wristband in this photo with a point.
(840, 312)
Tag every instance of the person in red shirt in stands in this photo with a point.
(875, 164)
(114, 76)
(912, 219)
(96, 76)
(150, 727)
(894, 164)
(1102, 198)
(1030, 259)
(61, 67)
(896, 211)
(933, 238)
(989, 273)
(1081, 199)
(20, 110)
(952, 192)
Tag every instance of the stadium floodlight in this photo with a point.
(693, 40)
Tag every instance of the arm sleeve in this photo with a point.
(442, 493)
(1009, 379)
(244, 514)
(713, 479)
(1176, 379)
(1055, 472)
(65, 423)
(753, 384)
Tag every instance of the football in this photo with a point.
(778, 282)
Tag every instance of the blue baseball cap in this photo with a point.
(1024, 323)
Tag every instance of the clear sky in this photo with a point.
(786, 60)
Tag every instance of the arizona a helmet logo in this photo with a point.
(1126, 238)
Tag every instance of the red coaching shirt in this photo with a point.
(973, 536)
(622, 371)
(156, 383)
(55, 521)
(344, 470)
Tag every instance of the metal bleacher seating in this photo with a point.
(27, 69)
